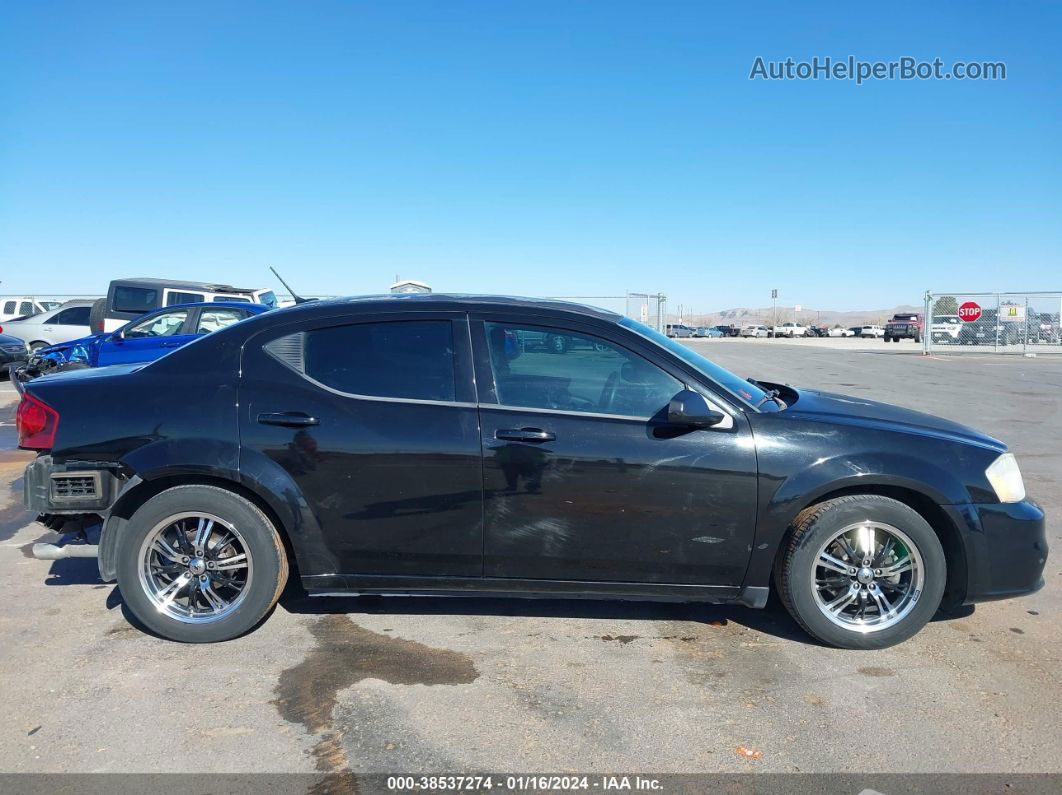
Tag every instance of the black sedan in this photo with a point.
(405, 444)
(12, 351)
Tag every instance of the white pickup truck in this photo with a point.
(12, 306)
(790, 330)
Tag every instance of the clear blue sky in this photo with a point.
(537, 148)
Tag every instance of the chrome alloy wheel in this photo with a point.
(195, 567)
(868, 577)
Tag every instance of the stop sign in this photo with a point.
(969, 312)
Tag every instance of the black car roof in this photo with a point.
(453, 301)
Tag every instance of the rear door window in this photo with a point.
(26, 308)
(411, 359)
(74, 316)
(215, 319)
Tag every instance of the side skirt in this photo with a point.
(353, 585)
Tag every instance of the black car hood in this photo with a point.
(831, 407)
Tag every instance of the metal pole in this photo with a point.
(927, 325)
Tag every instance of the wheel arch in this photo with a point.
(947, 532)
(138, 491)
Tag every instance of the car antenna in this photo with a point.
(298, 298)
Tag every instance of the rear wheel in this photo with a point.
(200, 564)
(861, 572)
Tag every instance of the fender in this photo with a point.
(266, 478)
(784, 495)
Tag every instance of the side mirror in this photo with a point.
(689, 409)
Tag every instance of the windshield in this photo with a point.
(749, 393)
(269, 298)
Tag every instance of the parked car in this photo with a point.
(857, 331)
(945, 328)
(904, 325)
(141, 340)
(790, 330)
(755, 331)
(871, 330)
(840, 331)
(817, 331)
(678, 330)
(707, 331)
(18, 306)
(397, 445)
(66, 322)
(728, 331)
(128, 299)
(13, 352)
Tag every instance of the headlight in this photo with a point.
(1005, 478)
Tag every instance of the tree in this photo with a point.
(946, 305)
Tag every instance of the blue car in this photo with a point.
(142, 340)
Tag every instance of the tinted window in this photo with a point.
(579, 373)
(214, 319)
(738, 386)
(400, 359)
(184, 298)
(135, 299)
(169, 324)
(235, 299)
(26, 308)
(9, 308)
(74, 316)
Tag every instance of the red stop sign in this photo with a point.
(969, 312)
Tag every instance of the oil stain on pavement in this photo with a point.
(344, 655)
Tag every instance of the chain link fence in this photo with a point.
(647, 308)
(992, 322)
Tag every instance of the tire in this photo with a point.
(36, 345)
(799, 565)
(265, 572)
(98, 316)
(887, 339)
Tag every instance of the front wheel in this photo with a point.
(200, 564)
(861, 572)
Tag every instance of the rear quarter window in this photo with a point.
(135, 299)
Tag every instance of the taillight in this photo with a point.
(36, 423)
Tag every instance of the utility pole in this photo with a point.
(774, 308)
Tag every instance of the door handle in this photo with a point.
(525, 435)
(288, 419)
(170, 345)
